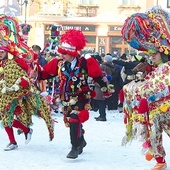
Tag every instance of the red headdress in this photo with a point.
(71, 42)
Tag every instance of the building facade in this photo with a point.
(100, 21)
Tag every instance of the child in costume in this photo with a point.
(19, 99)
(147, 100)
(75, 93)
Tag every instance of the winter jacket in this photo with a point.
(128, 66)
(112, 70)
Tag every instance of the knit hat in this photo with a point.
(108, 58)
(36, 48)
(71, 42)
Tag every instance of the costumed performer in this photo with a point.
(147, 100)
(75, 93)
(19, 99)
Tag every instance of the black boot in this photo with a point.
(82, 145)
(73, 154)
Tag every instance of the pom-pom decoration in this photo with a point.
(143, 106)
(24, 83)
(148, 156)
(109, 78)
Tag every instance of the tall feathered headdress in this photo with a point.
(71, 42)
(148, 31)
(11, 39)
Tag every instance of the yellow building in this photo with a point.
(101, 21)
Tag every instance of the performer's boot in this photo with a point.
(73, 154)
(161, 164)
(83, 143)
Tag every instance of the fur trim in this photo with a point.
(64, 51)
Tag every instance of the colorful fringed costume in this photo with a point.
(147, 102)
(19, 99)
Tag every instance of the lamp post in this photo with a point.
(25, 27)
(25, 3)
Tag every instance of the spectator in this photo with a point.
(113, 71)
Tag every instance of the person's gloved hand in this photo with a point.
(111, 88)
(108, 91)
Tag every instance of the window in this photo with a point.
(88, 1)
(116, 40)
(128, 2)
(91, 39)
(168, 3)
(51, 7)
(10, 7)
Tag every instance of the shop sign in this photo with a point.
(84, 28)
(89, 49)
(115, 28)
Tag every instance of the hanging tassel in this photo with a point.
(143, 106)
(121, 96)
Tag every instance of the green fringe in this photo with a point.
(11, 111)
(37, 104)
(14, 104)
(1, 125)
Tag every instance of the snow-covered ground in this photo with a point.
(103, 150)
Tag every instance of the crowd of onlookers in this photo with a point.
(119, 70)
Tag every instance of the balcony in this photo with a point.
(124, 7)
(87, 10)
